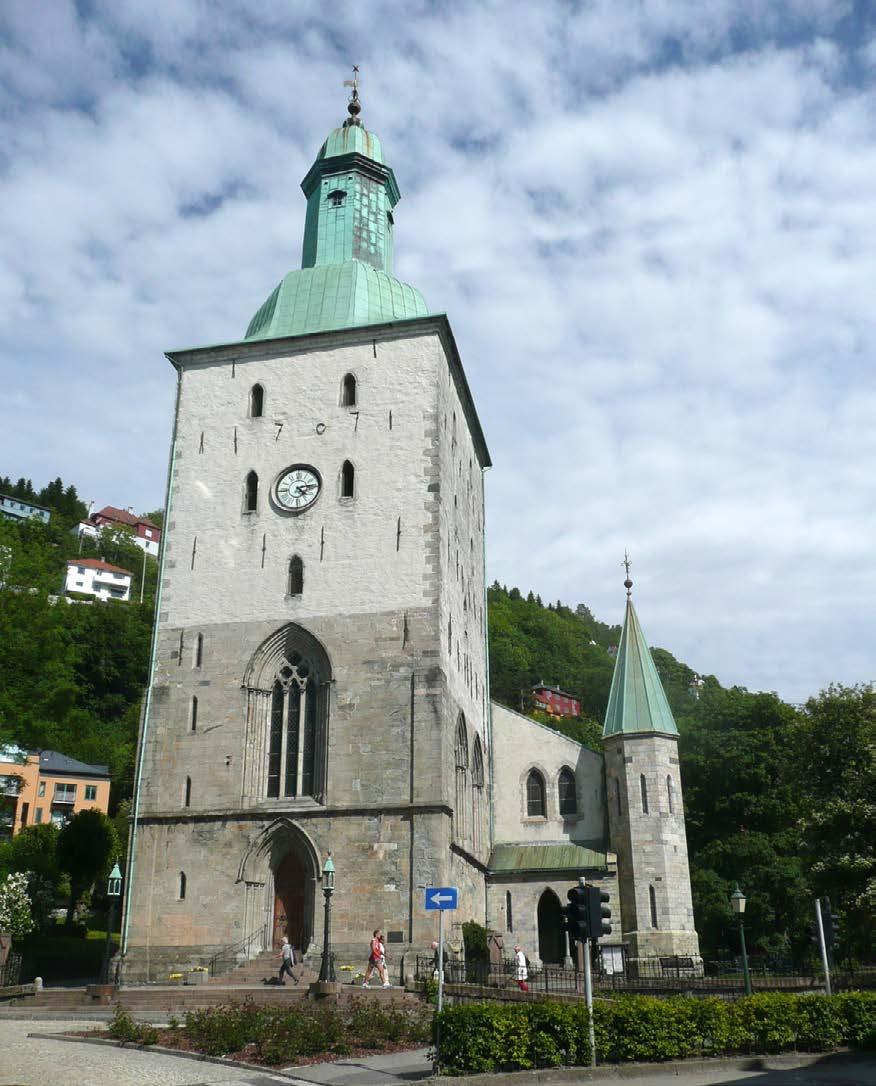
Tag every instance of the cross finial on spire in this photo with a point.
(354, 106)
(628, 584)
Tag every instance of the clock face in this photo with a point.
(297, 488)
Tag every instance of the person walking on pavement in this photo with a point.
(287, 960)
(375, 958)
(522, 971)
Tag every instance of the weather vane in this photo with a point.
(628, 584)
(354, 106)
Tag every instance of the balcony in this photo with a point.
(63, 798)
(10, 786)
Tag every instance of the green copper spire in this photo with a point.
(637, 702)
(346, 262)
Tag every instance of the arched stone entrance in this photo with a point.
(551, 940)
(282, 861)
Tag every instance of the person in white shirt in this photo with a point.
(522, 971)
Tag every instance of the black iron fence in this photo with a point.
(654, 976)
(10, 971)
(230, 957)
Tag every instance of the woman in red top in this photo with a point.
(375, 958)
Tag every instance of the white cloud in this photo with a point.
(651, 226)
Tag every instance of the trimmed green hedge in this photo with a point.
(485, 1037)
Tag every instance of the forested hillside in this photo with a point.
(777, 798)
(71, 675)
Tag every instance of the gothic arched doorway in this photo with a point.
(290, 900)
(551, 940)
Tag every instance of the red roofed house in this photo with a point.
(98, 578)
(556, 702)
(146, 534)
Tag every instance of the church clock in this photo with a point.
(297, 488)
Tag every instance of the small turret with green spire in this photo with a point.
(346, 276)
(637, 701)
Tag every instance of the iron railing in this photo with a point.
(230, 957)
(10, 971)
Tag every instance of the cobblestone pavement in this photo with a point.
(31, 1061)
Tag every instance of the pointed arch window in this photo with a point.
(535, 795)
(297, 723)
(251, 493)
(348, 391)
(462, 781)
(477, 793)
(643, 787)
(181, 892)
(669, 796)
(295, 583)
(566, 790)
(256, 402)
(652, 901)
(348, 480)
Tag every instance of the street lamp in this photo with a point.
(737, 901)
(113, 893)
(327, 968)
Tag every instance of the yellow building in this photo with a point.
(46, 786)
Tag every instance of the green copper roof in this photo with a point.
(636, 702)
(334, 296)
(346, 276)
(349, 138)
(558, 857)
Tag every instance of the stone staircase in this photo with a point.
(264, 966)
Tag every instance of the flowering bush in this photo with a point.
(15, 913)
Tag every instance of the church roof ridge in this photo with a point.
(637, 702)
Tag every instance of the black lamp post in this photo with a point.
(327, 968)
(737, 900)
(113, 893)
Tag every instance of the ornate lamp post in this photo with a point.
(113, 893)
(327, 968)
(737, 901)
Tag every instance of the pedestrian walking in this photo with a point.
(381, 967)
(287, 960)
(375, 958)
(522, 970)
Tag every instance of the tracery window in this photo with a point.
(295, 722)
(566, 789)
(535, 796)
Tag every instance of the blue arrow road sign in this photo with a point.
(441, 897)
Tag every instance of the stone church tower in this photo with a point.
(318, 679)
(645, 807)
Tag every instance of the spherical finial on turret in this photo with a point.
(628, 584)
(354, 106)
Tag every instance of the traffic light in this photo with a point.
(599, 914)
(830, 923)
(577, 914)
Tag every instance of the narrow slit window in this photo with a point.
(348, 391)
(652, 897)
(296, 576)
(669, 795)
(193, 715)
(643, 785)
(187, 795)
(509, 918)
(256, 402)
(182, 642)
(251, 493)
(182, 886)
(348, 480)
(617, 794)
(199, 650)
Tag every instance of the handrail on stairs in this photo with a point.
(235, 951)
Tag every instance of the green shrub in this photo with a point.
(123, 1028)
(486, 1037)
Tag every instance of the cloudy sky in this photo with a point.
(651, 223)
